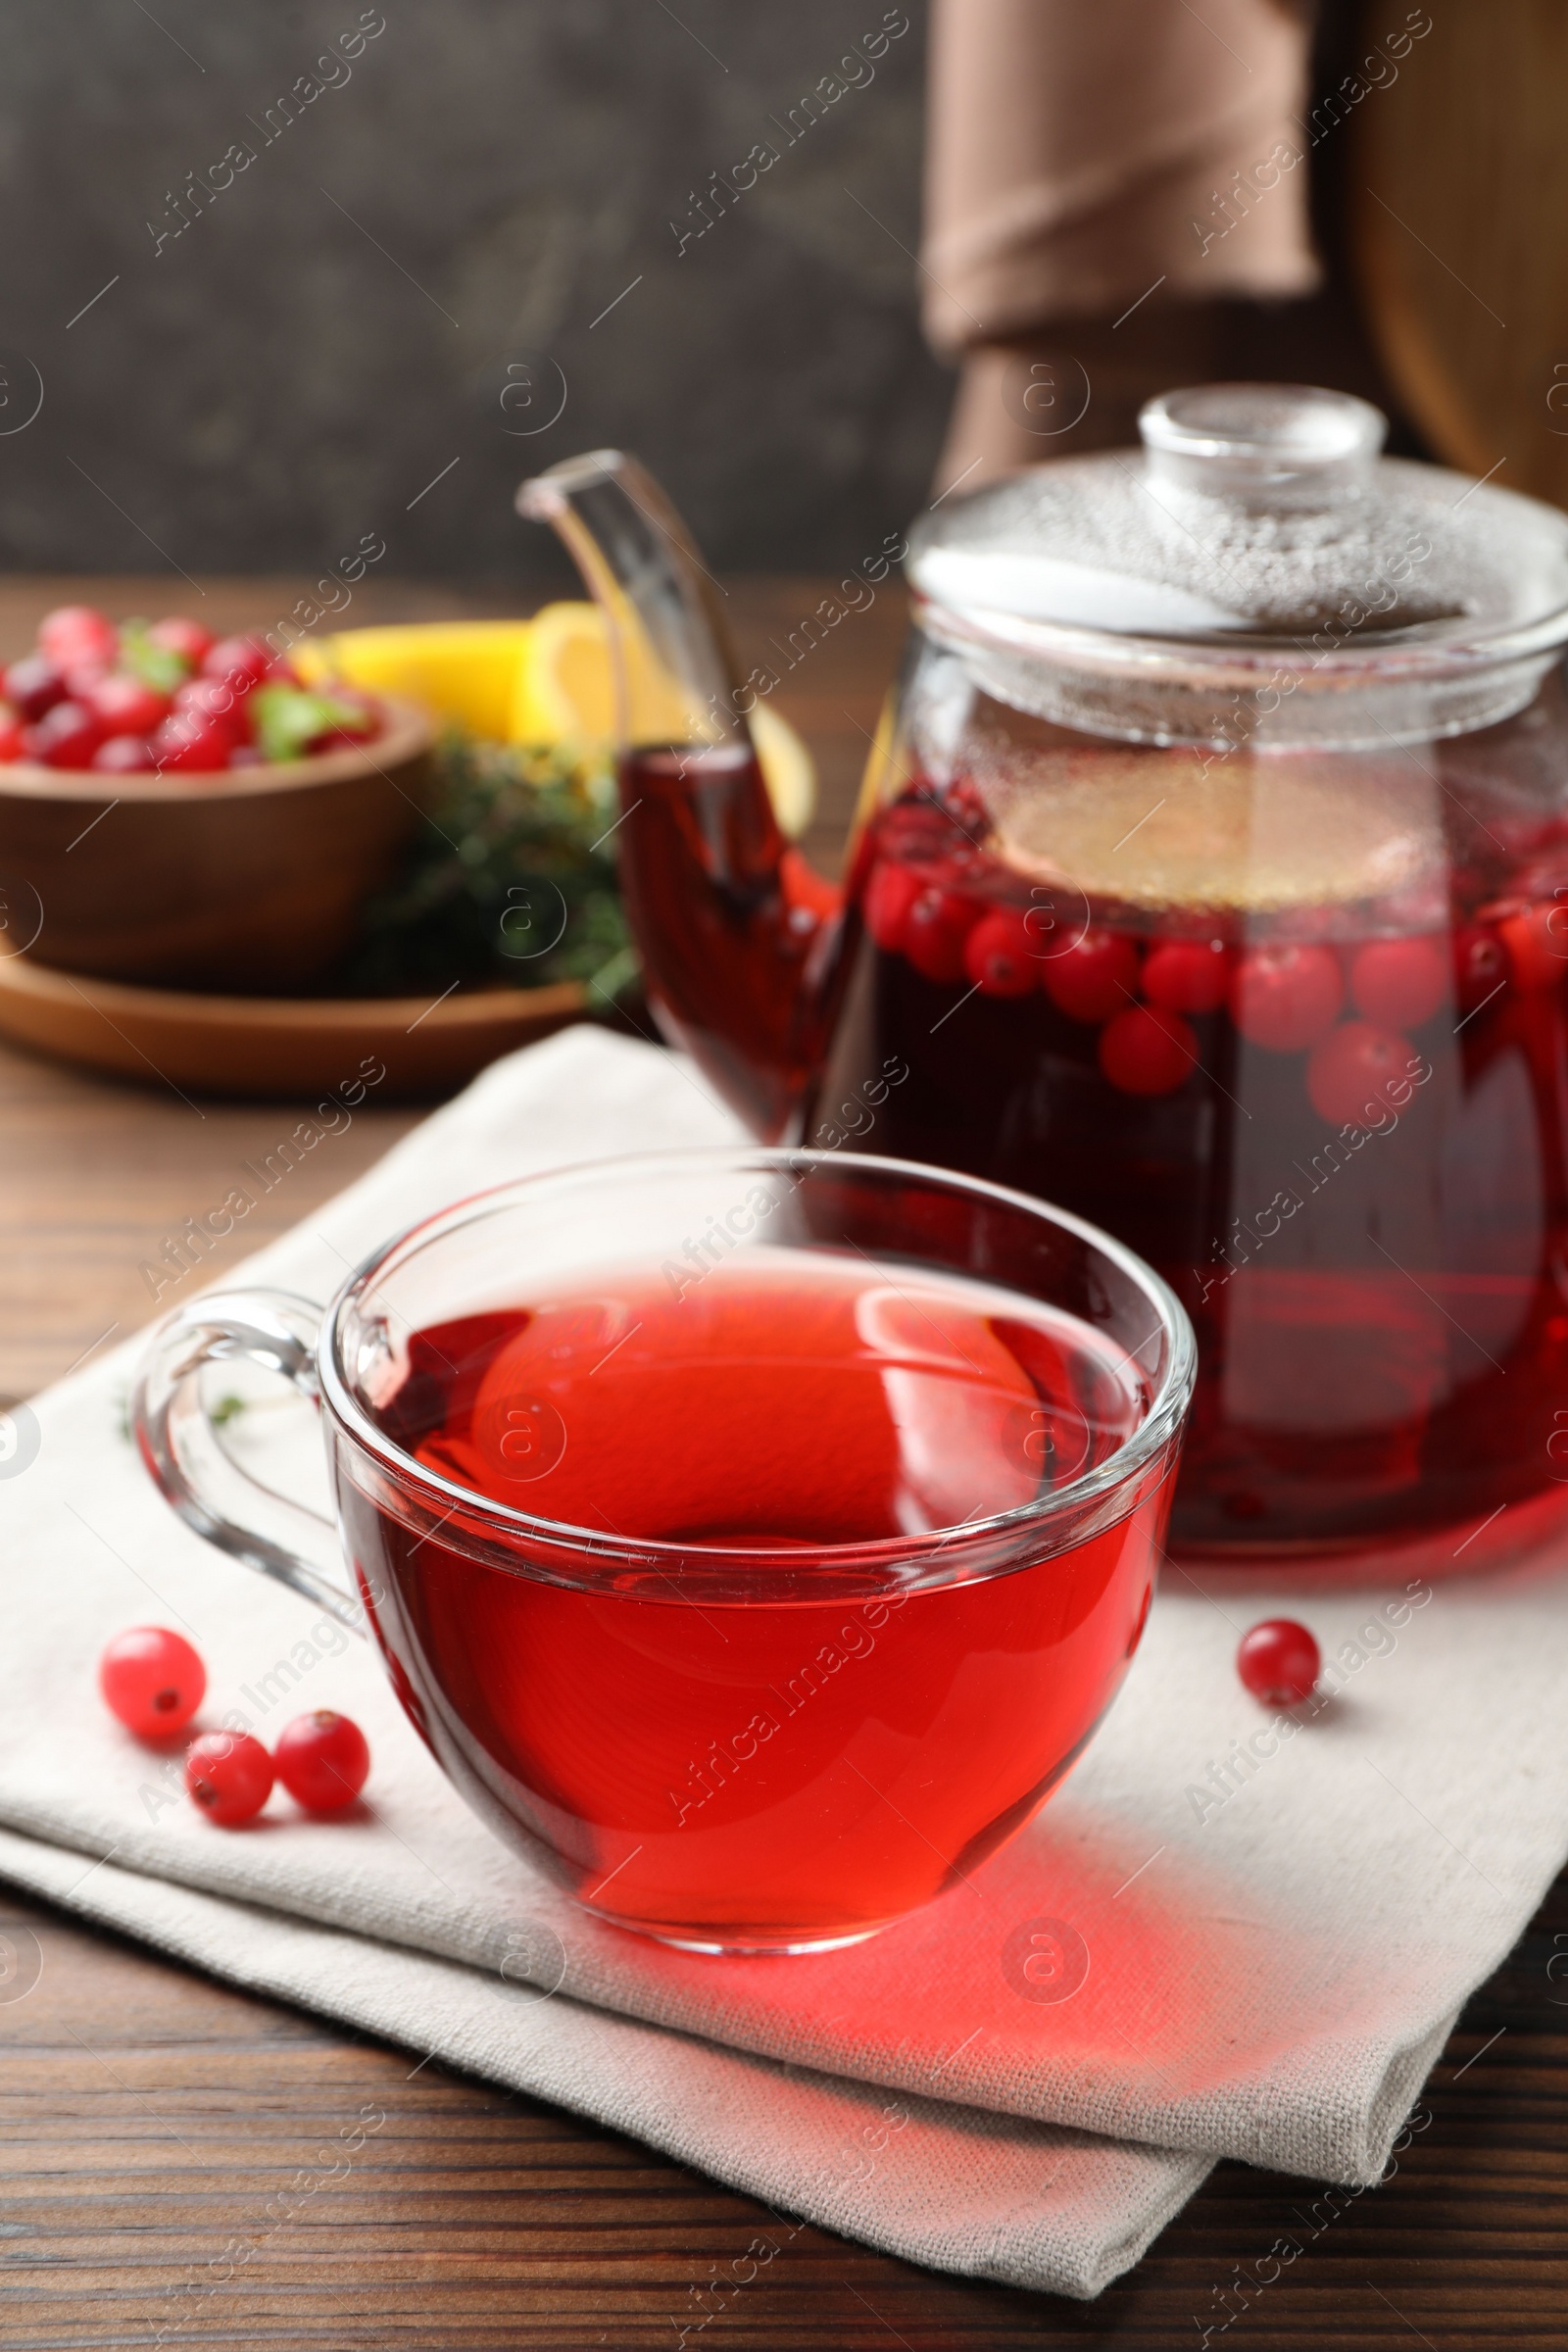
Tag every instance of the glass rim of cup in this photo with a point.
(883, 1562)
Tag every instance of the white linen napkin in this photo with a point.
(1260, 1936)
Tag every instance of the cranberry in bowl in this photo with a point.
(176, 808)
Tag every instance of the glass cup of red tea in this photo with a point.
(754, 1537)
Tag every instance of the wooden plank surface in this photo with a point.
(147, 2116)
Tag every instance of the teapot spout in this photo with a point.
(738, 937)
(674, 674)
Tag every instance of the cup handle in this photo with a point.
(185, 1457)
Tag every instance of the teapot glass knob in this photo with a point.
(1268, 445)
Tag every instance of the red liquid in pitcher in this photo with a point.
(1339, 1134)
(730, 921)
(762, 1771)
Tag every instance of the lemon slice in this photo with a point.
(566, 693)
(563, 688)
(1168, 828)
(548, 681)
(463, 669)
(788, 771)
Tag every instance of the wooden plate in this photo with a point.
(274, 1046)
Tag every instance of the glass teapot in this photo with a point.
(1210, 879)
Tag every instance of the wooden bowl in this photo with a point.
(249, 879)
(277, 1048)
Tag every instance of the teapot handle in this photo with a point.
(179, 1443)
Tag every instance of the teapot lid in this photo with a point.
(1257, 540)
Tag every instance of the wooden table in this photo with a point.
(147, 2115)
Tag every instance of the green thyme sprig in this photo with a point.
(509, 880)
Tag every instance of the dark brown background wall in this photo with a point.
(283, 374)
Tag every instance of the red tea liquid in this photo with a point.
(730, 923)
(1338, 1135)
(794, 1767)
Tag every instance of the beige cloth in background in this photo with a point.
(1071, 149)
(1275, 1936)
